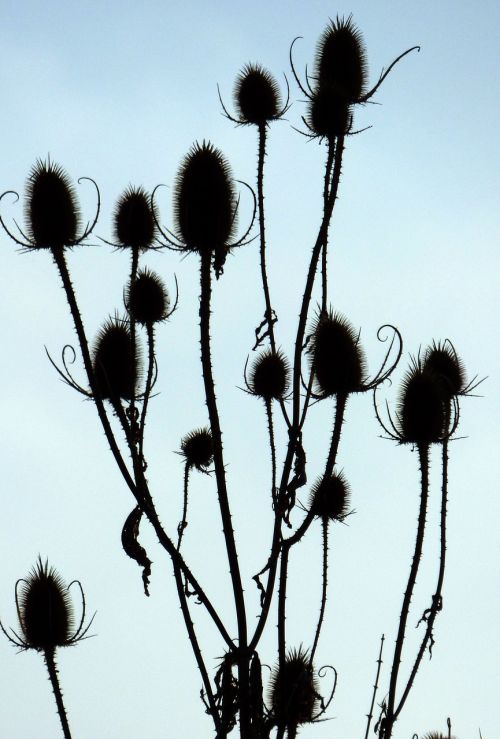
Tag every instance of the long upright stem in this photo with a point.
(423, 451)
(50, 661)
(268, 316)
(324, 588)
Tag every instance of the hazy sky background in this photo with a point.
(119, 91)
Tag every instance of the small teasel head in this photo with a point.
(256, 96)
(147, 299)
(341, 60)
(52, 213)
(330, 498)
(197, 448)
(293, 693)
(205, 202)
(269, 376)
(442, 360)
(421, 413)
(116, 362)
(329, 114)
(134, 221)
(337, 359)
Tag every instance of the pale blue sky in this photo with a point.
(119, 91)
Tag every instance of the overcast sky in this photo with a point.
(119, 91)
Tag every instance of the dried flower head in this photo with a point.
(133, 219)
(256, 95)
(198, 449)
(52, 213)
(330, 498)
(329, 113)
(337, 358)
(269, 376)
(341, 60)
(147, 299)
(442, 359)
(421, 411)
(116, 362)
(293, 692)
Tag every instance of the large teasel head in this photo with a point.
(146, 298)
(269, 376)
(442, 359)
(330, 498)
(116, 362)
(293, 693)
(45, 611)
(257, 96)
(134, 220)
(205, 203)
(329, 114)
(197, 448)
(422, 410)
(341, 60)
(337, 359)
(52, 213)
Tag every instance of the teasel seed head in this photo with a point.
(52, 213)
(293, 691)
(436, 735)
(341, 60)
(133, 220)
(330, 498)
(422, 412)
(198, 449)
(204, 201)
(116, 365)
(442, 360)
(147, 299)
(329, 113)
(337, 359)
(256, 95)
(269, 376)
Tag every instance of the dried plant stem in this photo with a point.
(149, 384)
(324, 253)
(324, 525)
(269, 413)
(387, 725)
(369, 715)
(50, 661)
(183, 522)
(262, 231)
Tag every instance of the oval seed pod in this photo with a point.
(51, 209)
(198, 448)
(337, 359)
(293, 693)
(442, 360)
(133, 220)
(421, 407)
(330, 498)
(45, 609)
(204, 201)
(116, 365)
(329, 114)
(147, 299)
(269, 376)
(341, 59)
(256, 95)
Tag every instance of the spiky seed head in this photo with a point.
(116, 364)
(421, 407)
(330, 497)
(329, 113)
(147, 299)
(341, 59)
(204, 201)
(269, 376)
(45, 609)
(436, 735)
(133, 219)
(198, 448)
(337, 358)
(293, 692)
(52, 213)
(441, 359)
(256, 95)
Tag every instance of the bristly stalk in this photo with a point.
(133, 274)
(268, 316)
(272, 445)
(341, 401)
(50, 661)
(324, 525)
(220, 474)
(390, 718)
(324, 253)
(369, 715)
(183, 522)
(149, 384)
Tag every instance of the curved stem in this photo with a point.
(337, 430)
(324, 524)
(50, 661)
(324, 254)
(423, 451)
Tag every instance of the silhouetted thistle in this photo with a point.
(269, 376)
(421, 407)
(329, 113)
(204, 201)
(257, 95)
(442, 360)
(51, 209)
(146, 299)
(133, 220)
(293, 692)
(437, 735)
(116, 365)
(330, 498)
(198, 449)
(337, 358)
(341, 60)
